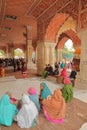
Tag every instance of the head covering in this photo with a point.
(35, 98)
(55, 107)
(9, 94)
(46, 91)
(8, 111)
(27, 113)
(25, 99)
(32, 90)
(67, 80)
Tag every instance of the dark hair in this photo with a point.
(19, 104)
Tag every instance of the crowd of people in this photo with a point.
(25, 111)
(61, 69)
(17, 64)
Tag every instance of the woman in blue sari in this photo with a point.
(44, 91)
(7, 111)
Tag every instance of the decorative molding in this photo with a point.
(33, 6)
(2, 10)
(83, 19)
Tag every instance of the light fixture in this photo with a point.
(11, 17)
(6, 28)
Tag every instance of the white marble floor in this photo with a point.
(19, 86)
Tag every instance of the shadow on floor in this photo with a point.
(76, 115)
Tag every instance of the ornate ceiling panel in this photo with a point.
(83, 19)
(72, 9)
(46, 6)
(83, 4)
(17, 7)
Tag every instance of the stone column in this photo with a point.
(29, 54)
(52, 58)
(7, 54)
(45, 55)
(40, 57)
(60, 55)
(11, 50)
(81, 79)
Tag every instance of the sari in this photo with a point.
(44, 74)
(54, 107)
(27, 116)
(67, 90)
(2, 72)
(46, 91)
(8, 111)
(64, 73)
(34, 97)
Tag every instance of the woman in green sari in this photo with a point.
(67, 90)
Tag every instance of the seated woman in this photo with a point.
(44, 73)
(34, 97)
(7, 110)
(54, 107)
(73, 73)
(50, 70)
(14, 101)
(44, 91)
(67, 90)
(56, 71)
(27, 116)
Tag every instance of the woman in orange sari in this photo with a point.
(54, 107)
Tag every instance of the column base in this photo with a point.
(31, 65)
(39, 71)
(79, 83)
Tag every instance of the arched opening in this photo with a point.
(70, 36)
(18, 53)
(61, 28)
(68, 50)
(34, 57)
(2, 54)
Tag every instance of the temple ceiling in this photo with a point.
(16, 15)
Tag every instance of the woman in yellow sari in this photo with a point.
(2, 71)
